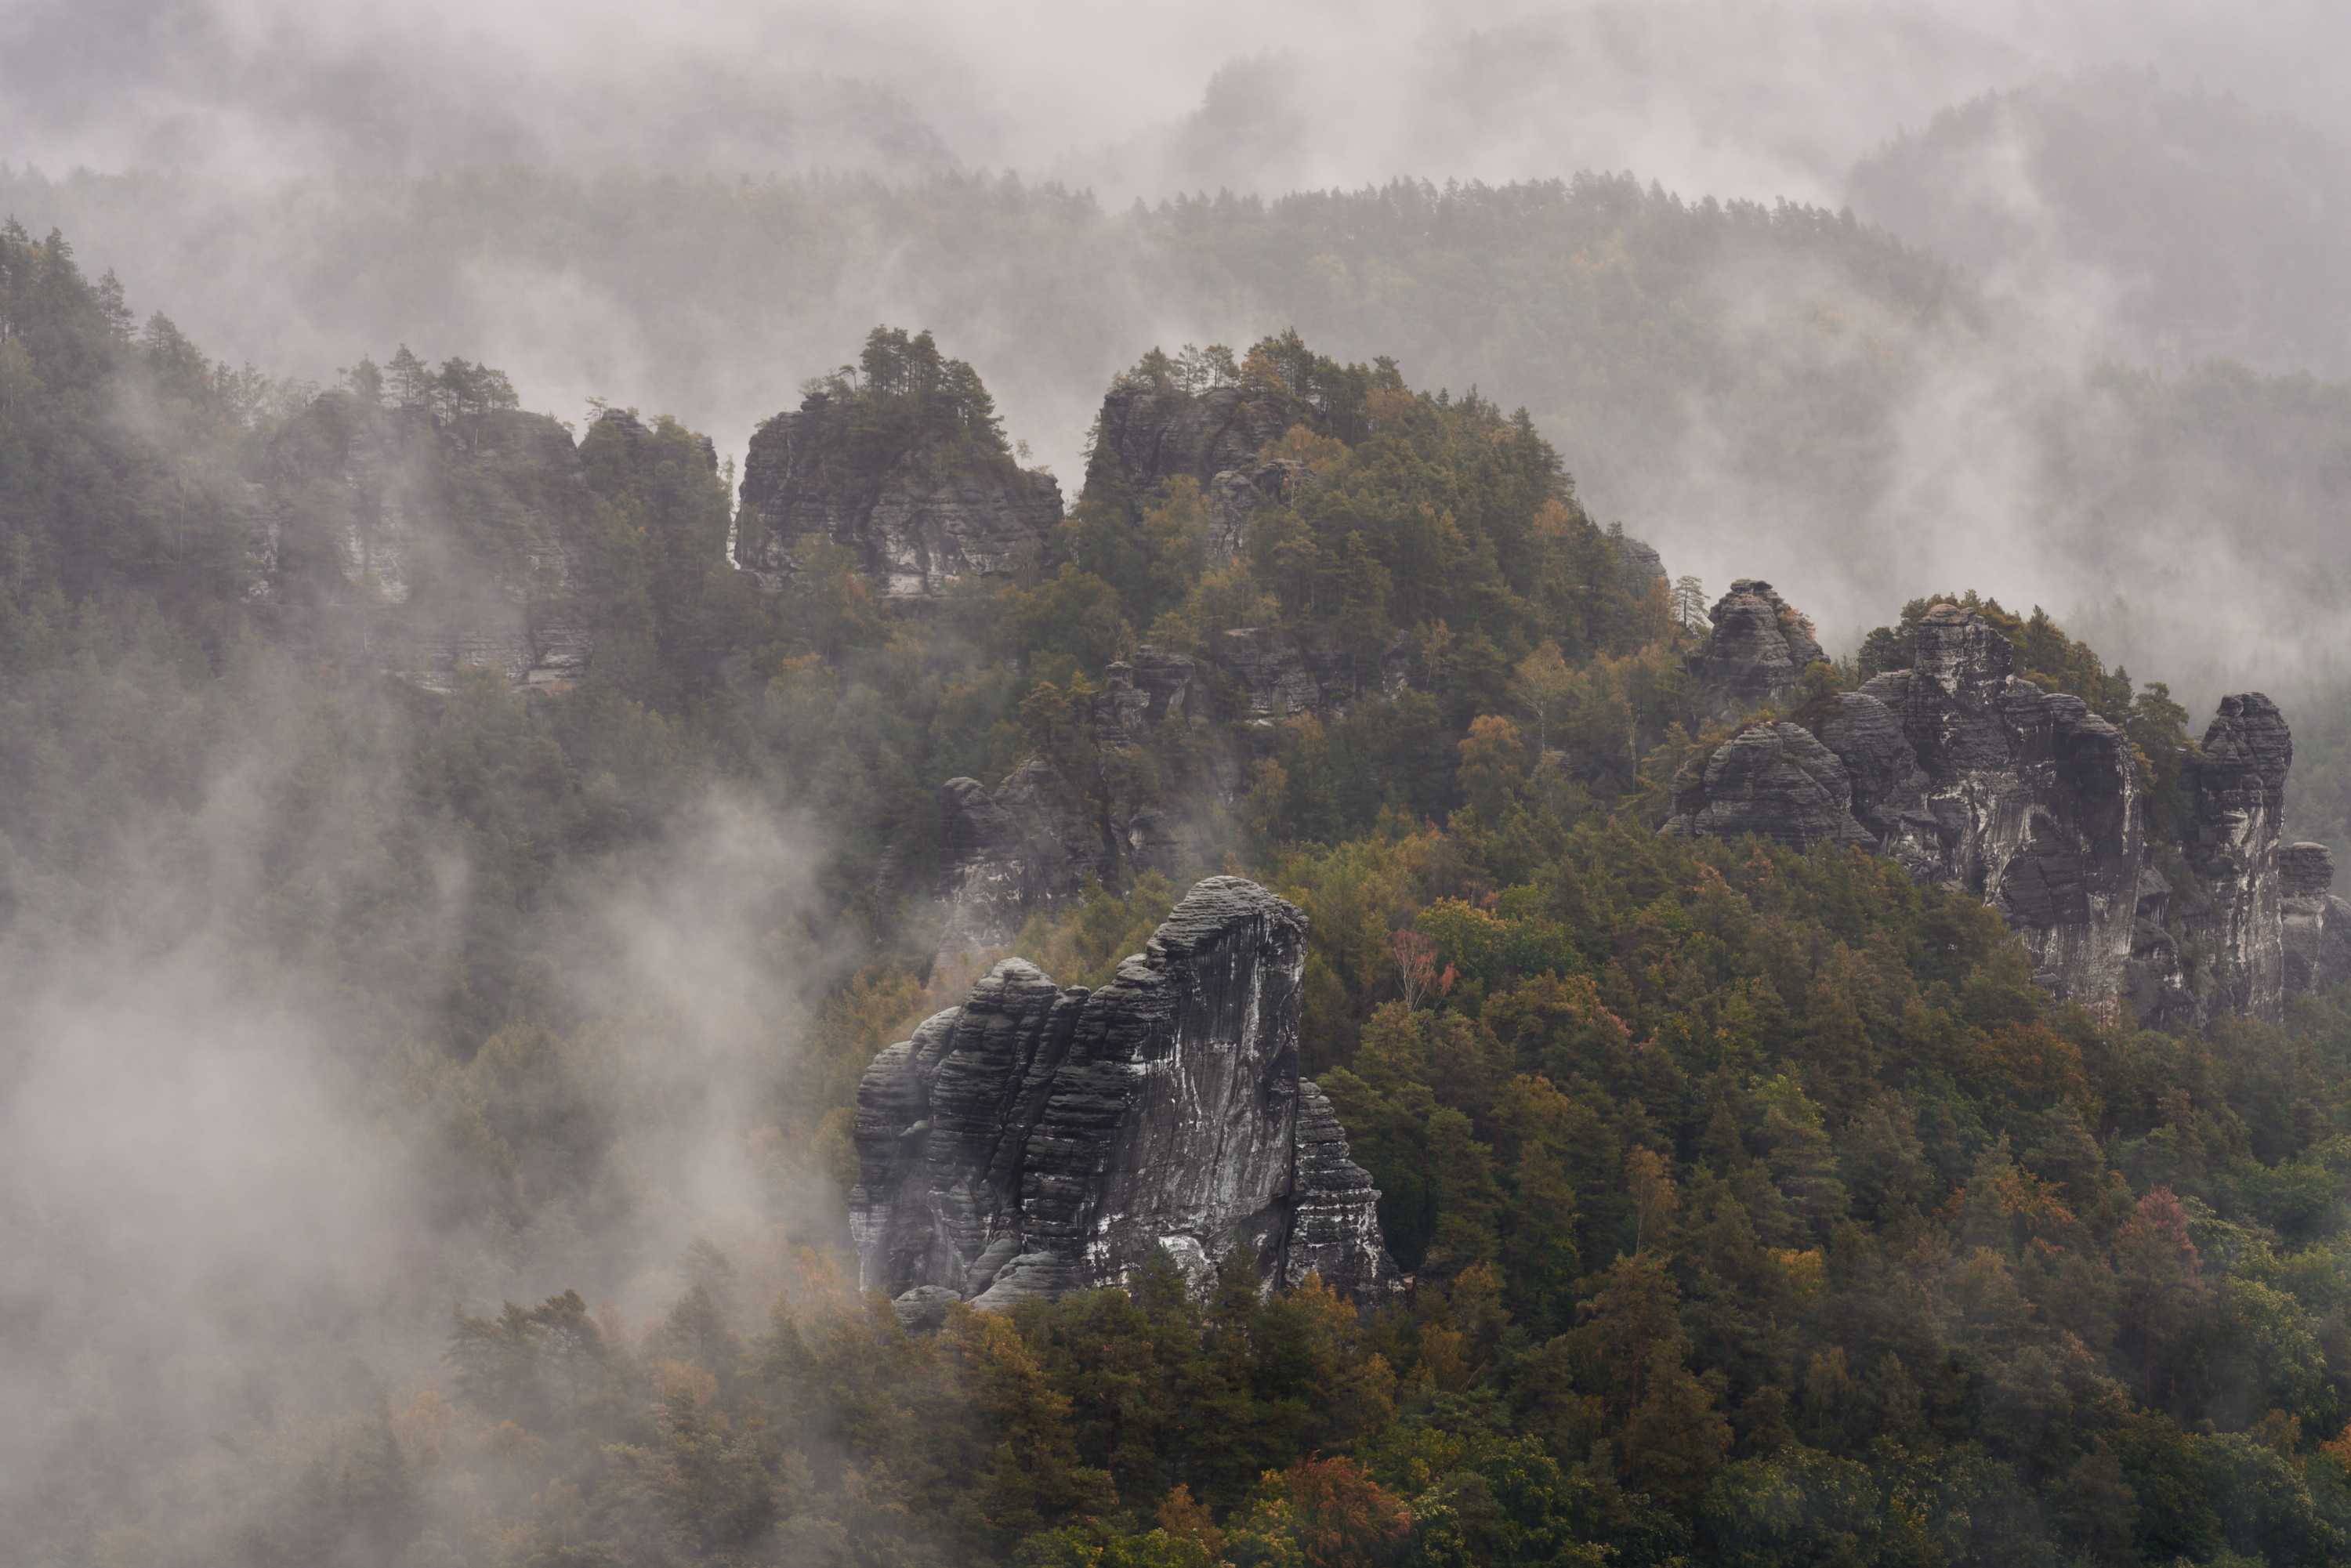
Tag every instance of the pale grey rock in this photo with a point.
(2317, 923)
(1033, 840)
(1147, 435)
(2236, 928)
(914, 517)
(1036, 1140)
(1967, 775)
(2021, 796)
(1235, 497)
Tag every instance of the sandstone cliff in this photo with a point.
(1036, 1140)
(1149, 433)
(1757, 653)
(2238, 926)
(903, 465)
(425, 545)
(1984, 782)
(2317, 923)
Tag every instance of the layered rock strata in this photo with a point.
(1037, 1140)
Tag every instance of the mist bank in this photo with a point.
(1774, 391)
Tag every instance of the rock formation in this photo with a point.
(1758, 650)
(2018, 795)
(425, 546)
(1273, 677)
(1148, 434)
(1037, 1140)
(2238, 787)
(2317, 923)
(1236, 496)
(1773, 780)
(917, 503)
(1033, 839)
(1985, 783)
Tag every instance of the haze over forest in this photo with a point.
(338, 992)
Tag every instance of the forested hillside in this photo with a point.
(1858, 415)
(413, 793)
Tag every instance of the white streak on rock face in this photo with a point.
(1074, 1135)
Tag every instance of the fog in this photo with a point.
(695, 208)
(278, 178)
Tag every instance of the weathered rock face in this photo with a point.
(1985, 783)
(1757, 653)
(1036, 1140)
(2239, 793)
(1030, 841)
(1643, 568)
(1140, 694)
(1970, 776)
(2317, 923)
(1773, 780)
(914, 512)
(427, 548)
(2021, 796)
(1040, 836)
(1274, 677)
(1149, 434)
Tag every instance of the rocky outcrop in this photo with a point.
(1970, 776)
(1140, 694)
(2317, 923)
(2238, 788)
(1773, 780)
(427, 546)
(1757, 653)
(1987, 783)
(1274, 677)
(1037, 1140)
(1040, 835)
(915, 507)
(2021, 796)
(1032, 841)
(1640, 568)
(1149, 433)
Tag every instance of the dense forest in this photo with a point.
(1759, 1206)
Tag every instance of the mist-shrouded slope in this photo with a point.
(2222, 228)
(1777, 390)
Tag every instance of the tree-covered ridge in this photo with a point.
(2188, 196)
(901, 394)
(1762, 1210)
